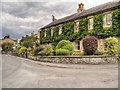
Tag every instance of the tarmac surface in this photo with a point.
(24, 73)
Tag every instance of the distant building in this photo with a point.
(7, 39)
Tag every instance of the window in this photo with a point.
(77, 45)
(60, 29)
(51, 31)
(45, 34)
(108, 19)
(90, 24)
(76, 26)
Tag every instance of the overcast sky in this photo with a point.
(20, 18)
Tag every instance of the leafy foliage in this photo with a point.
(62, 52)
(22, 50)
(116, 22)
(6, 47)
(65, 44)
(37, 50)
(90, 44)
(47, 51)
(111, 45)
(97, 52)
(68, 29)
(28, 41)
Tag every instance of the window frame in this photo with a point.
(51, 31)
(89, 27)
(105, 19)
(60, 29)
(45, 33)
(76, 26)
(76, 46)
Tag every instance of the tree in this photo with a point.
(28, 41)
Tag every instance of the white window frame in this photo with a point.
(76, 46)
(105, 21)
(90, 23)
(51, 31)
(76, 26)
(60, 29)
(45, 33)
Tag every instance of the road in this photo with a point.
(23, 73)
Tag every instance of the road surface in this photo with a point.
(23, 73)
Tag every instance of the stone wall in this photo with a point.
(78, 59)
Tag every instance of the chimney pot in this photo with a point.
(53, 18)
(80, 7)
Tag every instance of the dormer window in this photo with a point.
(76, 26)
(107, 19)
(60, 29)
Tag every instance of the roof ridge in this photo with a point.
(95, 9)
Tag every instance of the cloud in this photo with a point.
(21, 18)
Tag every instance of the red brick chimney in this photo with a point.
(80, 7)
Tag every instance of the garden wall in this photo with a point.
(78, 59)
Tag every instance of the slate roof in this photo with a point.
(98, 9)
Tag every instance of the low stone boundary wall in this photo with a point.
(77, 59)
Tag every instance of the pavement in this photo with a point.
(24, 73)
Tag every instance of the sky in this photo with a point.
(20, 17)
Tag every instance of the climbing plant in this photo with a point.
(68, 29)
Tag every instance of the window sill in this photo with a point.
(76, 50)
(107, 26)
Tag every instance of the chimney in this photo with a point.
(53, 18)
(80, 7)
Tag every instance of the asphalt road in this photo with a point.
(23, 73)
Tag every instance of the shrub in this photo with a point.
(37, 50)
(82, 53)
(97, 52)
(65, 44)
(22, 50)
(76, 53)
(90, 44)
(47, 51)
(7, 47)
(62, 52)
(111, 45)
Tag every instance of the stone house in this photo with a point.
(7, 39)
(100, 21)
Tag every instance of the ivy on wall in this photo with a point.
(116, 22)
(68, 30)
(102, 32)
(69, 34)
(83, 27)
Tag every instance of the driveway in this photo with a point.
(23, 73)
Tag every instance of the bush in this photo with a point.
(82, 53)
(62, 52)
(22, 50)
(65, 44)
(76, 53)
(90, 44)
(37, 50)
(97, 52)
(6, 47)
(47, 51)
(111, 45)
